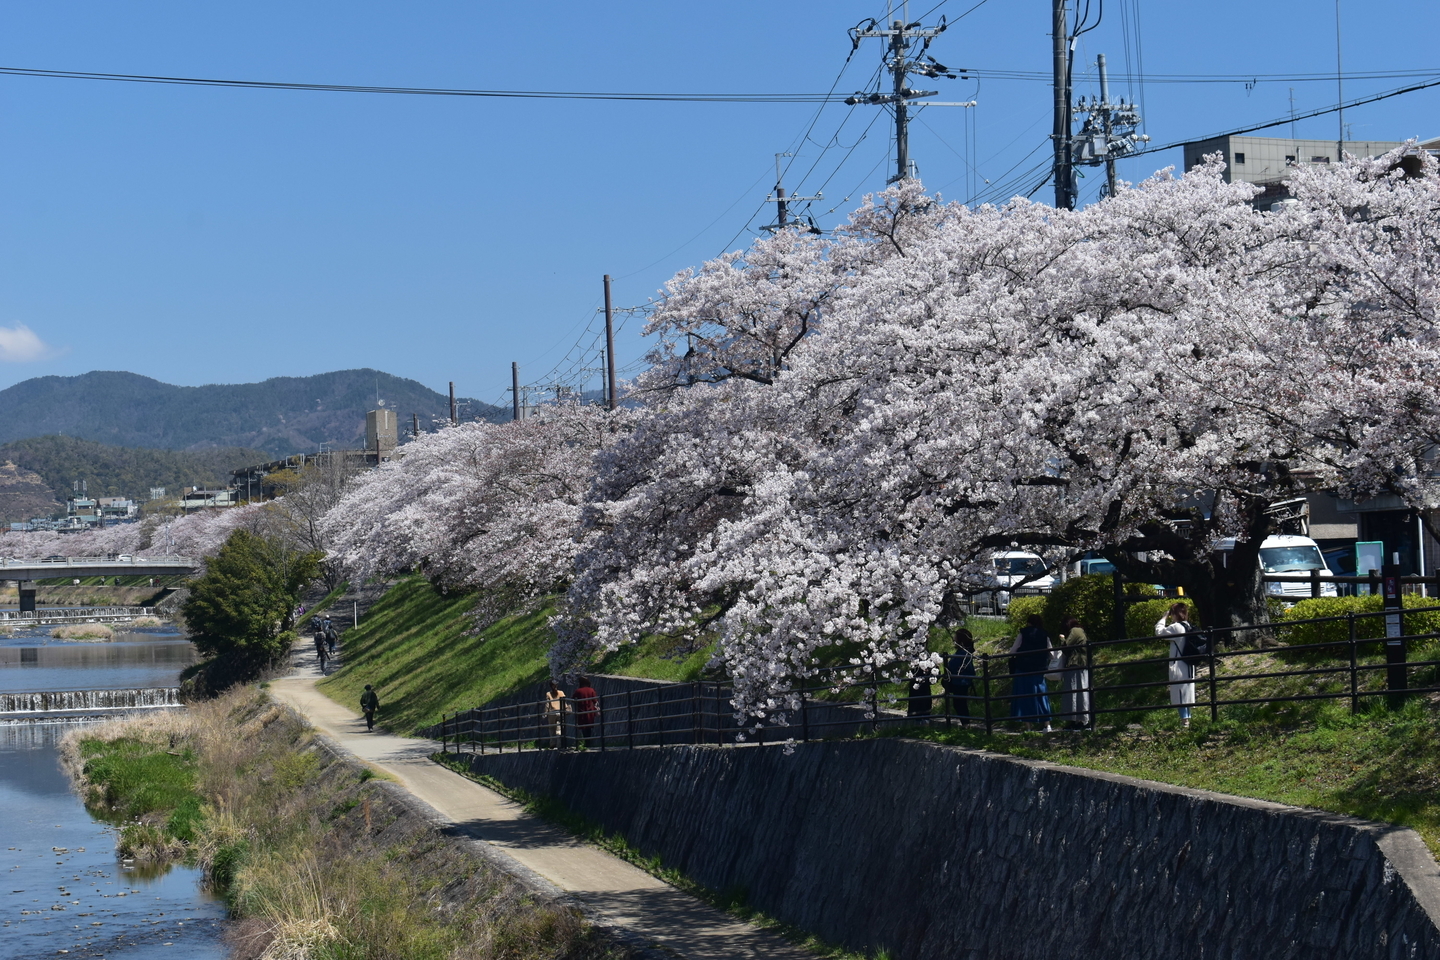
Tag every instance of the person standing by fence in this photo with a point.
(960, 675)
(919, 699)
(587, 709)
(553, 706)
(1075, 680)
(1173, 627)
(1029, 657)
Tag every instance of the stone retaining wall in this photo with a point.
(940, 853)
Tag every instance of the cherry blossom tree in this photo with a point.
(1102, 379)
(491, 507)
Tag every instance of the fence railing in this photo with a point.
(1101, 683)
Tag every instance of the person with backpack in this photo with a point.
(960, 675)
(332, 638)
(1075, 680)
(1029, 659)
(320, 652)
(1175, 626)
(369, 704)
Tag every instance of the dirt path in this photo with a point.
(610, 888)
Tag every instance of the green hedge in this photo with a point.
(1366, 628)
(1021, 608)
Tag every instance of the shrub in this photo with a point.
(1021, 608)
(1141, 618)
(1091, 600)
(1337, 632)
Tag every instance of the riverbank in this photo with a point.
(312, 854)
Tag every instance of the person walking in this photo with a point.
(919, 699)
(320, 651)
(587, 709)
(369, 705)
(1173, 626)
(960, 675)
(1075, 680)
(1029, 658)
(332, 637)
(553, 705)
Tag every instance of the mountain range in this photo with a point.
(280, 416)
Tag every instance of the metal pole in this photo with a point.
(414, 425)
(1105, 120)
(985, 681)
(1214, 707)
(609, 348)
(453, 421)
(1354, 668)
(902, 120)
(1060, 56)
(629, 718)
(355, 612)
(514, 391)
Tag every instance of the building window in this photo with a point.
(1289, 158)
(1239, 158)
(1319, 159)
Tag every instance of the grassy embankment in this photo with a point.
(419, 650)
(1379, 764)
(313, 859)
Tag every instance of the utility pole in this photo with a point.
(414, 425)
(453, 421)
(609, 348)
(1108, 132)
(898, 61)
(514, 390)
(782, 203)
(1060, 55)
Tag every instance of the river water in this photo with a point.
(63, 891)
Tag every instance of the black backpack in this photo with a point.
(1195, 647)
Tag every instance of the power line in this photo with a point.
(421, 91)
(1318, 112)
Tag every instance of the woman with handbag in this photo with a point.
(1074, 677)
(1029, 660)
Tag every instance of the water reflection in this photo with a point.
(38, 662)
(63, 889)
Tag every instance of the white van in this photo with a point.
(1293, 557)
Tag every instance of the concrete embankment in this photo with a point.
(935, 852)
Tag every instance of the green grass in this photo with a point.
(417, 647)
(132, 778)
(1380, 764)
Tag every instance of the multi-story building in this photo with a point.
(1269, 161)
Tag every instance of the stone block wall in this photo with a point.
(939, 853)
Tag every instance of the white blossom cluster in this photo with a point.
(196, 535)
(836, 433)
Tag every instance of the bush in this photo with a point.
(1020, 610)
(1338, 631)
(1091, 600)
(1141, 618)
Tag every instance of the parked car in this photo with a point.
(1293, 557)
(1019, 573)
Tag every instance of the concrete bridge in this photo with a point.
(24, 571)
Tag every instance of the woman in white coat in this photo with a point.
(1182, 675)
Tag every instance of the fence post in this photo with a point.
(985, 681)
(629, 718)
(1210, 646)
(1354, 668)
(1089, 684)
(874, 702)
(695, 715)
(444, 740)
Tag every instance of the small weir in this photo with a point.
(71, 701)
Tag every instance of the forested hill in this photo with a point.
(280, 416)
(117, 471)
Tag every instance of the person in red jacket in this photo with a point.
(587, 709)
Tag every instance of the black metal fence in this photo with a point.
(1354, 658)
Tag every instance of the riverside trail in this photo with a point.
(610, 890)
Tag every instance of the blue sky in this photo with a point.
(202, 235)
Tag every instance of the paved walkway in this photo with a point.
(610, 888)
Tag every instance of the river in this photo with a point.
(65, 892)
